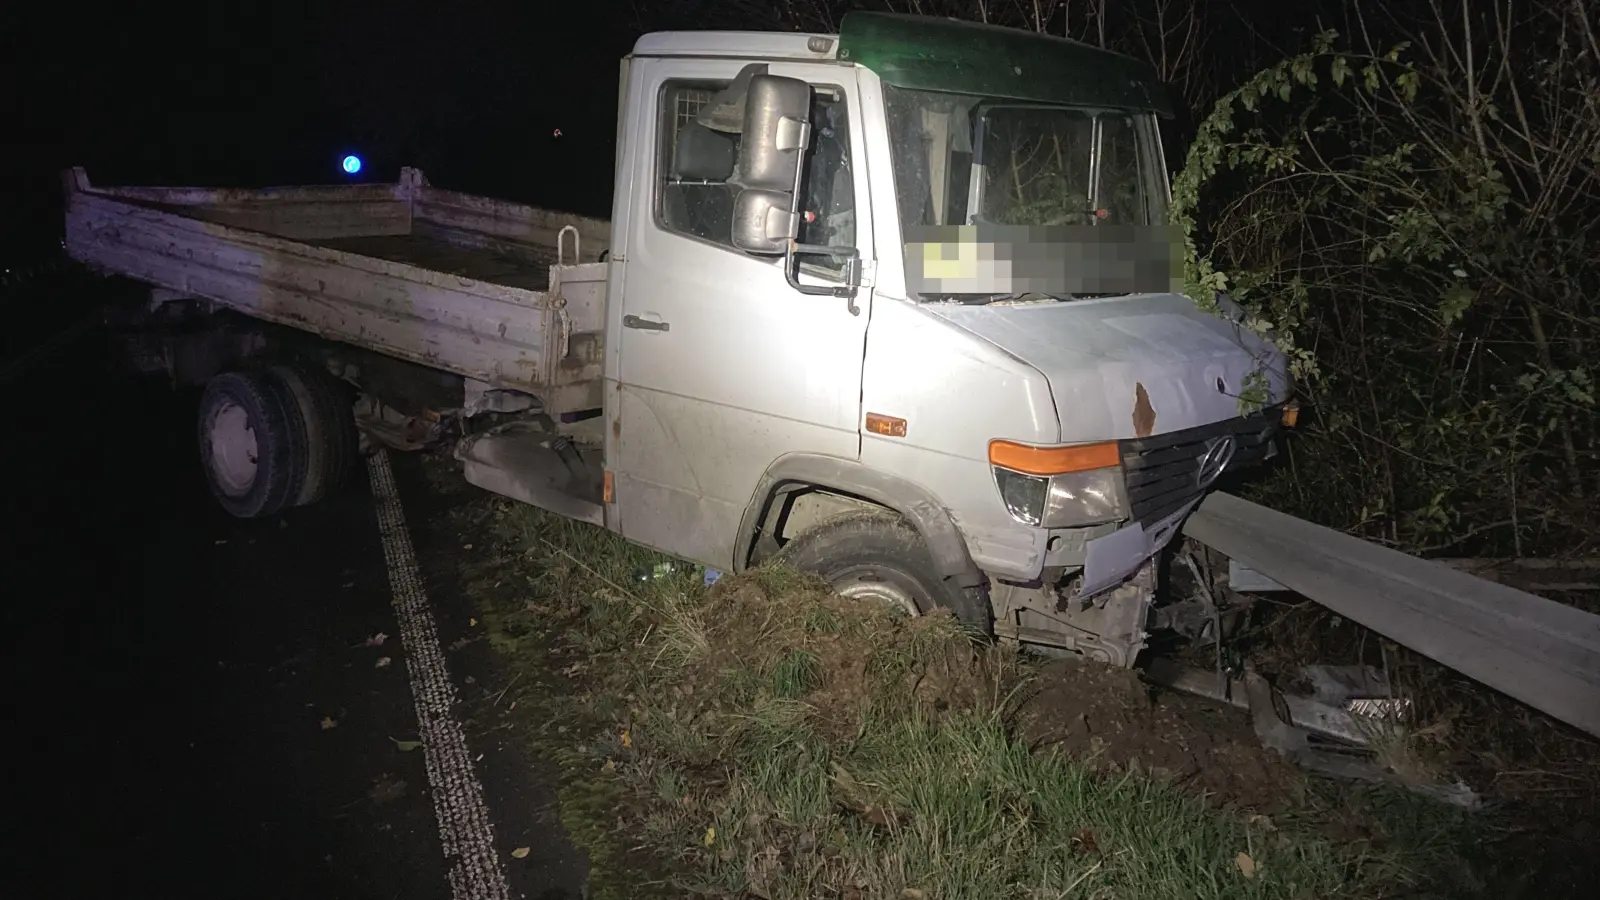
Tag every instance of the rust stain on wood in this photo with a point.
(1144, 415)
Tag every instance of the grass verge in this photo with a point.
(766, 738)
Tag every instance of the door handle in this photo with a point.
(644, 324)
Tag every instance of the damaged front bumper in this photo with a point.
(1098, 602)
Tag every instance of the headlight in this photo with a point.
(1024, 495)
(1084, 498)
(1082, 490)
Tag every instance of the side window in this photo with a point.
(693, 193)
(829, 202)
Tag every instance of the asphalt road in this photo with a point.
(201, 706)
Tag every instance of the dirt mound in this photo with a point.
(842, 660)
(837, 663)
(1110, 718)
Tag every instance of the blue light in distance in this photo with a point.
(351, 164)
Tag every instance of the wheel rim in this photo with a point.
(233, 448)
(872, 587)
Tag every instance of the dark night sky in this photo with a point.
(252, 93)
(249, 93)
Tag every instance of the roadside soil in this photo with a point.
(1115, 720)
(1107, 718)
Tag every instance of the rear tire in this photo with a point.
(252, 443)
(332, 445)
(877, 555)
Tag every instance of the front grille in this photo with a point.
(1163, 472)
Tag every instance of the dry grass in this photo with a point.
(766, 738)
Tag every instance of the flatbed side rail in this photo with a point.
(513, 229)
(492, 332)
(1541, 652)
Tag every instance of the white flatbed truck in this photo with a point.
(787, 341)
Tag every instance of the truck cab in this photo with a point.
(815, 351)
(896, 306)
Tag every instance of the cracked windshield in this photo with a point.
(1067, 201)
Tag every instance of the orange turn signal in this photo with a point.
(1291, 415)
(888, 426)
(1053, 460)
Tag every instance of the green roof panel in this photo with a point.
(954, 56)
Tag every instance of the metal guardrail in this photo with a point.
(1541, 652)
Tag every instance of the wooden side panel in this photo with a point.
(312, 221)
(490, 332)
(192, 196)
(506, 222)
(298, 213)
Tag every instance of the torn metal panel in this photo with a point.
(1291, 723)
(1248, 580)
(1110, 559)
(1544, 653)
(1346, 704)
(1269, 715)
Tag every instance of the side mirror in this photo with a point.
(766, 215)
(777, 130)
(764, 222)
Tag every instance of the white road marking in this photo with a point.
(458, 804)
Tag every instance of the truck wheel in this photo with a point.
(879, 556)
(252, 443)
(332, 445)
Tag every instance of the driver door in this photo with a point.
(723, 367)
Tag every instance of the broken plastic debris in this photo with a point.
(655, 573)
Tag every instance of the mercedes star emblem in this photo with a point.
(1219, 453)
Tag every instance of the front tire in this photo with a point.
(252, 443)
(878, 556)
